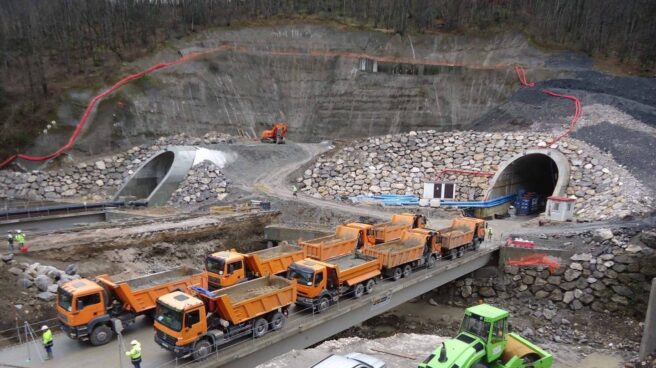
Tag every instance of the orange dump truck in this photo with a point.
(352, 236)
(465, 233)
(227, 268)
(399, 223)
(416, 248)
(197, 325)
(85, 307)
(346, 240)
(322, 283)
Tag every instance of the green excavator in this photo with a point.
(484, 342)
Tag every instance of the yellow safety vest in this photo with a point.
(47, 338)
(135, 353)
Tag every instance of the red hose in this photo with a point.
(521, 74)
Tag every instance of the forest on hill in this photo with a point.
(49, 46)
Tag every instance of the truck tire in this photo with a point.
(260, 327)
(358, 290)
(407, 270)
(369, 287)
(101, 335)
(202, 350)
(323, 304)
(398, 273)
(277, 321)
(431, 261)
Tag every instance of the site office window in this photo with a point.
(444, 191)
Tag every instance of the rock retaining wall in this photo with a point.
(615, 278)
(401, 163)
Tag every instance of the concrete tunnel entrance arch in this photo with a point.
(157, 178)
(544, 171)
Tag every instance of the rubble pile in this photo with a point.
(204, 182)
(98, 179)
(614, 277)
(401, 163)
(41, 279)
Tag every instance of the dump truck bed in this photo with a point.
(140, 294)
(274, 260)
(341, 243)
(254, 298)
(396, 252)
(453, 237)
(352, 269)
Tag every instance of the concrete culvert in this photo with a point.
(543, 171)
(158, 177)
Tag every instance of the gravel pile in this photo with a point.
(96, 180)
(401, 163)
(204, 183)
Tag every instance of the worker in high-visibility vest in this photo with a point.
(135, 354)
(47, 341)
(294, 190)
(19, 238)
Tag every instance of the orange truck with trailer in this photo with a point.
(85, 307)
(465, 233)
(322, 283)
(197, 325)
(356, 236)
(416, 248)
(227, 268)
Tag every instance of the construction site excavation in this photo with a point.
(328, 184)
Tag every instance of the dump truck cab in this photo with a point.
(80, 306)
(225, 268)
(484, 341)
(366, 237)
(311, 277)
(179, 320)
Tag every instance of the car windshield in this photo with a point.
(65, 299)
(474, 324)
(215, 265)
(168, 317)
(302, 275)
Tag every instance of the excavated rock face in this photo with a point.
(401, 163)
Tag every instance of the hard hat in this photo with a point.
(18, 231)
(44, 327)
(134, 342)
(9, 236)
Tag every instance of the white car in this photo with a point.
(353, 360)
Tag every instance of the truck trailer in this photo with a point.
(323, 283)
(196, 325)
(465, 233)
(415, 248)
(85, 308)
(227, 268)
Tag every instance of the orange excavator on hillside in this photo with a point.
(277, 132)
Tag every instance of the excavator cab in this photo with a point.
(276, 134)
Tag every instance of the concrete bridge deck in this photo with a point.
(301, 330)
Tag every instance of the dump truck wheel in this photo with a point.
(398, 273)
(260, 327)
(101, 335)
(431, 261)
(358, 290)
(407, 270)
(277, 321)
(369, 288)
(323, 304)
(202, 350)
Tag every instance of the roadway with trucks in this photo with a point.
(303, 328)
